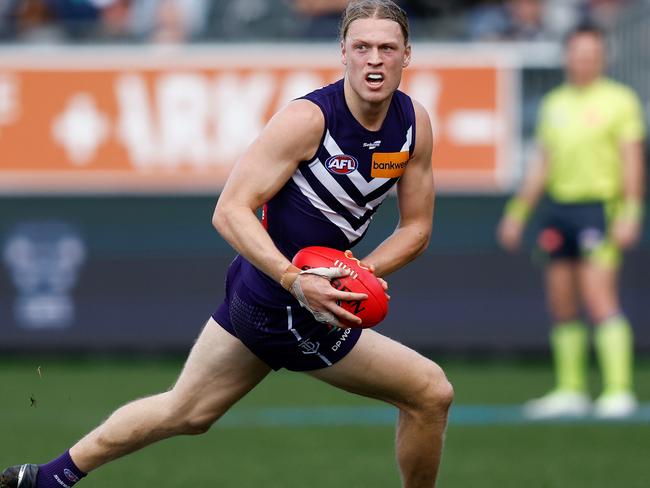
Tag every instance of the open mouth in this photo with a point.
(375, 79)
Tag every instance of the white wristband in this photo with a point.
(327, 273)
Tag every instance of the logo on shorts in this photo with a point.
(590, 238)
(550, 240)
(70, 475)
(338, 343)
(341, 164)
(309, 347)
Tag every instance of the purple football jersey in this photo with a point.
(330, 199)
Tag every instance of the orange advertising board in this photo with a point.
(142, 120)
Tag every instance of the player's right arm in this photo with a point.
(511, 226)
(291, 136)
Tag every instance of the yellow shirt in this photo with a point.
(581, 129)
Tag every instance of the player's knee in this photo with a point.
(599, 307)
(563, 310)
(440, 393)
(434, 395)
(190, 417)
(193, 421)
(196, 424)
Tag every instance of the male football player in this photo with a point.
(320, 181)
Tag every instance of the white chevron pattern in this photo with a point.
(329, 182)
(331, 215)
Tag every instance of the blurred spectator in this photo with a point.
(604, 13)
(246, 19)
(32, 20)
(512, 20)
(485, 21)
(169, 21)
(60, 20)
(7, 19)
(321, 17)
(115, 19)
(188, 20)
(562, 16)
(77, 18)
(525, 20)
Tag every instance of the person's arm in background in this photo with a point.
(415, 194)
(626, 229)
(519, 207)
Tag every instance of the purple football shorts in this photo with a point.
(286, 336)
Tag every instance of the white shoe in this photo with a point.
(558, 403)
(615, 405)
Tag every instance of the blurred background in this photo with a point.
(119, 123)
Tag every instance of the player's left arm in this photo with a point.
(626, 230)
(415, 196)
(627, 227)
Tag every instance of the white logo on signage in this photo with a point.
(44, 260)
(9, 99)
(80, 129)
(194, 120)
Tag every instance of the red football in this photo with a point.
(360, 280)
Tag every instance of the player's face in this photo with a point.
(374, 54)
(585, 58)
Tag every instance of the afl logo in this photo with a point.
(341, 164)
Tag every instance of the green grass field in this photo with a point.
(280, 436)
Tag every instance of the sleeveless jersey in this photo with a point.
(330, 199)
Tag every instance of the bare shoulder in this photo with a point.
(302, 115)
(424, 133)
(298, 126)
(421, 116)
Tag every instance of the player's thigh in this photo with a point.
(561, 283)
(219, 371)
(599, 289)
(379, 367)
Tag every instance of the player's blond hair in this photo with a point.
(374, 9)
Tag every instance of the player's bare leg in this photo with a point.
(561, 283)
(379, 367)
(599, 290)
(613, 339)
(218, 372)
(569, 346)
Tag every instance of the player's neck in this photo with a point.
(582, 83)
(370, 115)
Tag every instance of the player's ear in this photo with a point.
(343, 54)
(407, 56)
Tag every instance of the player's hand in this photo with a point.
(371, 268)
(509, 233)
(314, 290)
(626, 232)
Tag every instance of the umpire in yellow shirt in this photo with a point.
(590, 165)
